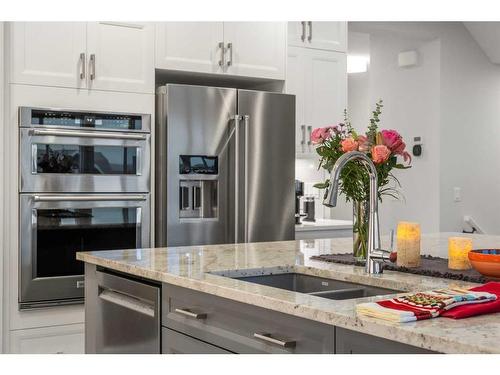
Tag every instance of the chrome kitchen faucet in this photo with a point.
(375, 255)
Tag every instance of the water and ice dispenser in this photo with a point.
(198, 187)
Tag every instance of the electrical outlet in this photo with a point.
(457, 194)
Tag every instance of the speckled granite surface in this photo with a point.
(202, 268)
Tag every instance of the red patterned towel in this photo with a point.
(423, 305)
(466, 311)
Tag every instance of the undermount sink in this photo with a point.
(317, 286)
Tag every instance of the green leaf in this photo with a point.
(322, 185)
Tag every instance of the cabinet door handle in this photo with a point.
(269, 339)
(303, 37)
(309, 38)
(303, 130)
(82, 65)
(92, 66)
(230, 49)
(222, 54)
(189, 313)
(309, 130)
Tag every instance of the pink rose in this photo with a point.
(349, 144)
(393, 140)
(380, 154)
(363, 143)
(319, 135)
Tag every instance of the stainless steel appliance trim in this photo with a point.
(25, 118)
(303, 36)
(200, 176)
(230, 49)
(138, 162)
(269, 339)
(309, 38)
(191, 314)
(82, 65)
(86, 134)
(34, 154)
(222, 54)
(92, 66)
(88, 197)
(138, 227)
(128, 302)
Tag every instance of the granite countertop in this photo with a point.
(202, 268)
(323, 224)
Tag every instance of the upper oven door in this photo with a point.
(54, 227)
(56, 160)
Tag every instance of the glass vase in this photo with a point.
(360, 230)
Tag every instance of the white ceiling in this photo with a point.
(487, 35)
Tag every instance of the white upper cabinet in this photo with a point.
(247, 49)
(326, 87)
(318, 79)
(296, 85)
(121, 56)
(48, 53)
(330, 36)
(190, 46)
(97, 55)
(255, 49)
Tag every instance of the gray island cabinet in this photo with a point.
(129, 314)
(197, 322)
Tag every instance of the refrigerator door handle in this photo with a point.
(237, 119)
(246, 121)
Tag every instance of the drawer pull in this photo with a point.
(191, 314)
(268, 338)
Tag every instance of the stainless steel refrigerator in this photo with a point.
(224, 166)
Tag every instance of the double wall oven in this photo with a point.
(84, 186)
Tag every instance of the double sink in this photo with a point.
(317, 286)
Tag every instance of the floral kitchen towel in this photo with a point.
(422, 305)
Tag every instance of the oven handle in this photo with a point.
(72, 133)
(84, 198)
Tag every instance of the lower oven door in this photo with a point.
(54, 227)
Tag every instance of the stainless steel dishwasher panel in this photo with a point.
(123, 315)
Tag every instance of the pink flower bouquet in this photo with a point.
(384, 147)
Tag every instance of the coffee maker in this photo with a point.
(299, 192)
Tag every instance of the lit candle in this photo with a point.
(458, 250)
(408, 244)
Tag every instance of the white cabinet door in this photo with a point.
(189, 46)
(321, 35)
(48, 53)
(257, 49)
(326, 88)
(121, 56)
(69, 339)
(296, 85)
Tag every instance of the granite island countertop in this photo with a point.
(203, 268)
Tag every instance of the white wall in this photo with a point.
(470, 132)
(2, 243)
(451, 99)
(411, 106)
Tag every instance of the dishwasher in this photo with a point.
(122, 315)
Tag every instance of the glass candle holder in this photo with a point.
(408, 244)
(458, 250)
